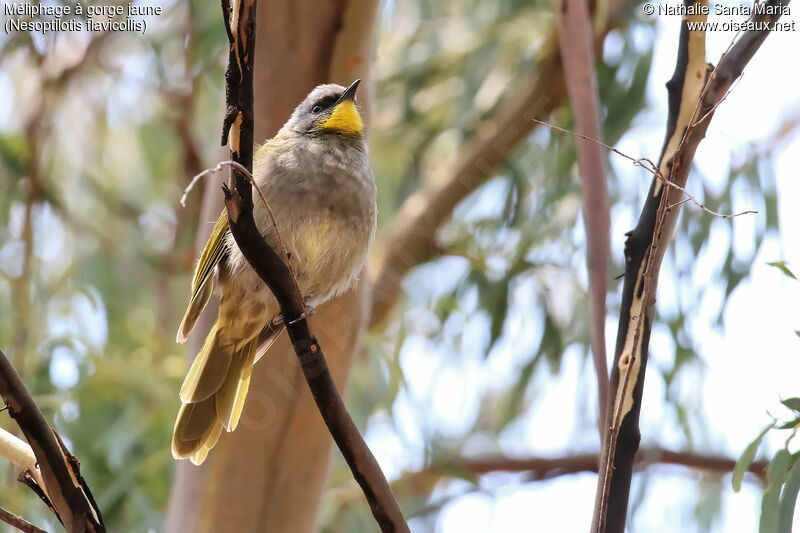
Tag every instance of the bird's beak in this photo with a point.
(344, 117)
(349, 94)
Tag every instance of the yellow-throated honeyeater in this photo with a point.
(316, 177)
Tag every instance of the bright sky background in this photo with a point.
(749, 364)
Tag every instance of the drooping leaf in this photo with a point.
(789, 498)
(776, 474)
(792, 403)
(743, 463)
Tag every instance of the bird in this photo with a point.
(316, 177)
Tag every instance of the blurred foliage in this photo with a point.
(95, 146)
(99, 134)
(782, 477)
(782, 485)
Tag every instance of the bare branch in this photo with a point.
(694, 90)
(19, 522)
(21, 455)
(542, 468)
(421, 482)
(68, 494)
(650, 167)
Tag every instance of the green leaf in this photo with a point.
(789, 498)
(783, 268)
(791, 424)
(792, 403)
(797, 332)
(776, 474)
(747, 457)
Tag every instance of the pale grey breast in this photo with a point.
(322, 193)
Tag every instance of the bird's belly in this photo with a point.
(327, 255)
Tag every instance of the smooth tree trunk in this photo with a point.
(269, 474)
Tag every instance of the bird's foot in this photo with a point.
(279, 320)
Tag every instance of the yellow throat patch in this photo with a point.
(344, 119)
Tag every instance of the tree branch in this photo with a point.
(422, 482)
(577, 56)
(19, 522)
(694, 91)
(21, 455)
(67, 492)
(543, 468)
(238, 128)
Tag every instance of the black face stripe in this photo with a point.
(326, 101)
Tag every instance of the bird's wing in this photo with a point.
(203, 280)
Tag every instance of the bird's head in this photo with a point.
(329, 108)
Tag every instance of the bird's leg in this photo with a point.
(309, 310)
(278, 320)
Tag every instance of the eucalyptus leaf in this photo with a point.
(776, 474)
(789, 498)
(743, 463)
(792, 403)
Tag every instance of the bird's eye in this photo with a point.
(316, 109)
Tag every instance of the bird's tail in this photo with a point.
(212, 395)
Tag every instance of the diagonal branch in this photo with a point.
(67, 493)
(694, 91)
(577, 56)
(18, 522)
(240, 21)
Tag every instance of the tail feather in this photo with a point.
(196, 431)
(205, 446)
(208, 370)
(230, 397)
(212, 396)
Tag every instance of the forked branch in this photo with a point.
(64, 490)
(695, 90)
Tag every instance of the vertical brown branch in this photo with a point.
(694, 92)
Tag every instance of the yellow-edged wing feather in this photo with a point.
(203, 280)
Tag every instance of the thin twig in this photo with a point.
(714, 108)
(19, 522)
(648, 165)
(249, 175)
(712, 76)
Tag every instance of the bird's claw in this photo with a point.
(279, 320)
